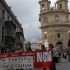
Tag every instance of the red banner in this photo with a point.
(36, 59)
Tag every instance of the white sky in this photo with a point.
(27, 12)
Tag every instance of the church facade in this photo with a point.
(55, 23)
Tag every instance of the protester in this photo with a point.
(43, 48)
(65, 55)
(69, 56)
(54, 58)
(58, 50)
(68, 53)
(59, 53)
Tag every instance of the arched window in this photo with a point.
(58, 35)
(45, 35)
(42, 6)
(60, 5)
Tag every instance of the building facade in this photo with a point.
(9, 27)
(55, 23)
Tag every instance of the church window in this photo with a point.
(60, 6)
(58, 35)
(42, 6)
(45, 35)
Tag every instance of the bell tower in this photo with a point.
(44, 8)
(62, 4)
(44, 4)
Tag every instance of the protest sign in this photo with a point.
(43, 59)
(17, 60)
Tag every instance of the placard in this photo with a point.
(17, 60)
(43, 59)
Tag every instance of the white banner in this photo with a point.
(21, 62)
(17, 62)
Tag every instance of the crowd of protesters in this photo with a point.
(56, 54)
